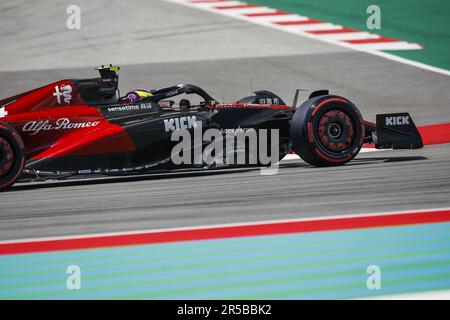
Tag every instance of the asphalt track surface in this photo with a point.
(159, 43)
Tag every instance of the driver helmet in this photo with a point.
(137, 95)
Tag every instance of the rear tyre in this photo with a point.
(327, 131)
(12, 156)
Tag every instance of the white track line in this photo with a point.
(403, 45)
(271, 19)
(348, 36)
(250, 223)
(313, 27)
(267, 23)
(218, 3)
(242, 11)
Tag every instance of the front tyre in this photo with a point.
(12, 156)
(327, 131)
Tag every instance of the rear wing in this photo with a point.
(396, 131)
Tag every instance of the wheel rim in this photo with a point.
(336, 131)
(6, 157)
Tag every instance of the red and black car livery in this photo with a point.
(80, 126)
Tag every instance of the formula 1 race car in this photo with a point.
(83, 126)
